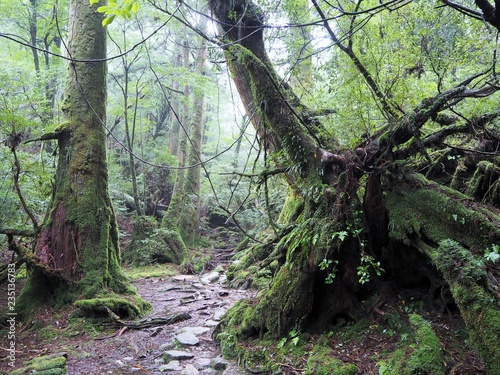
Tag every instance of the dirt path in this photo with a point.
(188, 343)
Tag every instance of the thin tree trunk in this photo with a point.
(189, 223)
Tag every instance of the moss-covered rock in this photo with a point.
(151, 244)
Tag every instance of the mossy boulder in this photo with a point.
(152, 244)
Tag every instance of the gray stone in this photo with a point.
(210, 278)
(176, 355)
(218, 313)
(171, 366)
(187, 339)
(218, 363)
(194, 330)
(190, 370)
(167, 346)
(202, 362)
(234, 370)
(211, 323)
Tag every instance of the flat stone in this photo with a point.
(177, 355)
(194, 330)
(218, 313)
(184, 277)
(211, 323)
(171, 366)
(202, 362)
(187, 339)
(167, 346)
(234, 370)
(210, 278)
(190, 370)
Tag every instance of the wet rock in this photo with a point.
(179, 355)
(190, 370)
(211, 323)
(187, 339)
(210, 278)
(167, 346)
(234, 370)
(218, 363)
(194, 330)
(218, 313)
(202, 362)
(171, 366)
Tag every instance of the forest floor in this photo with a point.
(167, 349)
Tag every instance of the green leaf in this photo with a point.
(92, 2)
(103, 9)
(135, 7)
(108, 20)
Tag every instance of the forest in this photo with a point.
(249, 187)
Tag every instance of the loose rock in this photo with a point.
(179, 355)
(187, 339)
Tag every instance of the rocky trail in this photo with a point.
(185, 347)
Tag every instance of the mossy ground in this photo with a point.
(402, 338)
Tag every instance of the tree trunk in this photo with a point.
(189, 222)
(334, 242)
(78, 243)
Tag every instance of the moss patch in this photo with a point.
(467, 279)
(54, 364)
(123, 307)
(321, 362)
(153, 270)
(438, 213)
(421, 354)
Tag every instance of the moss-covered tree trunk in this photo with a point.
(336, 236)
(171, 218)
(189, 221)
(78, 248)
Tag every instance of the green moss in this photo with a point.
(153, 270)
(121, 306)
(54, 364)
(427, 357)
(292, 207)
(435, 212)
(151, 244)
(421, 354)
(321, 362)
(478, 306)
